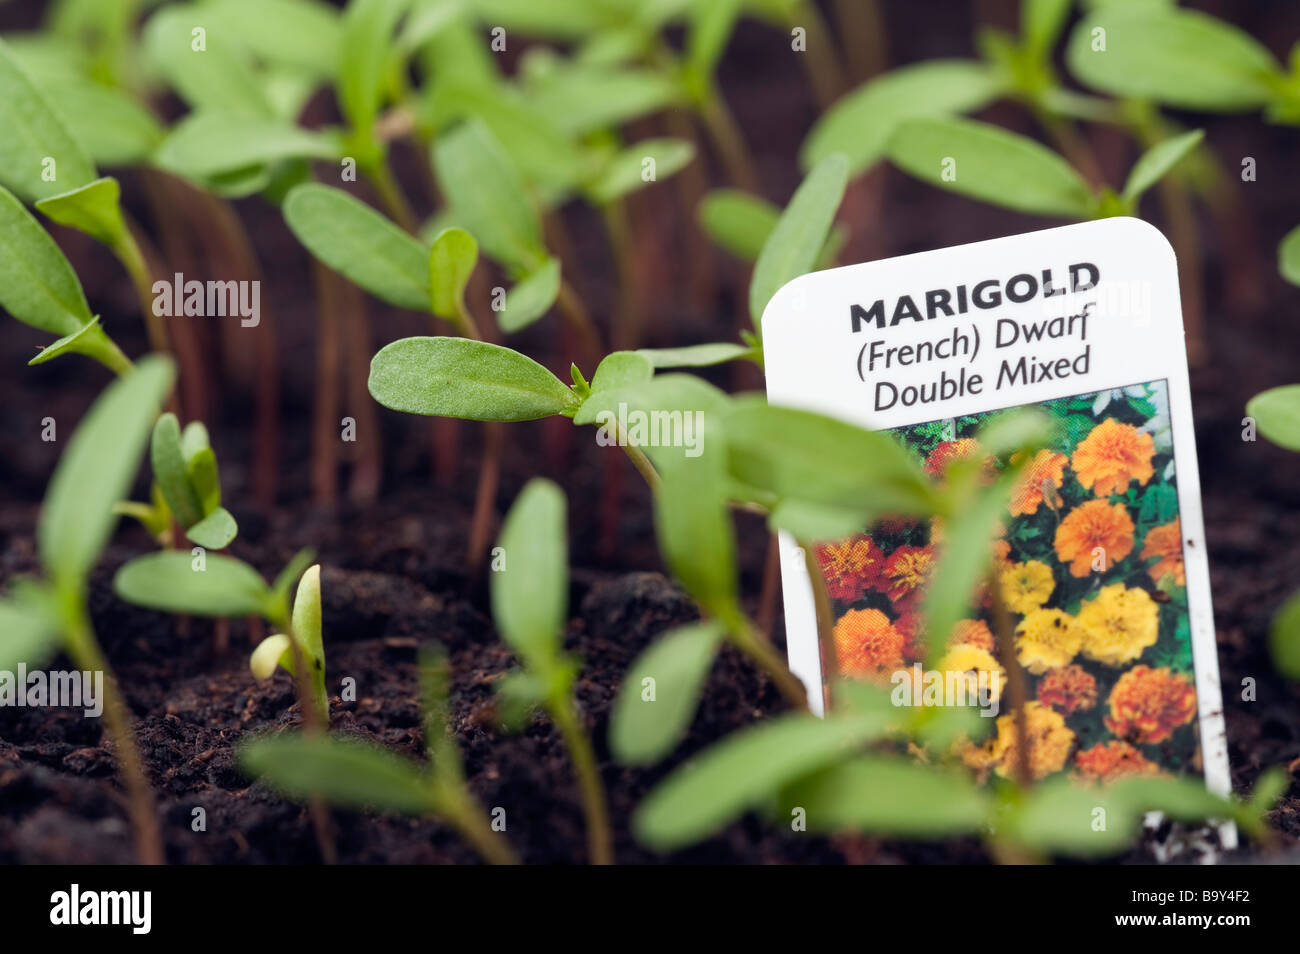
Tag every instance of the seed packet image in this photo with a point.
(1102, 580)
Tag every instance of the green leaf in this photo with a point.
(217, 77)
(791, 249)
(1284, 638)
(744, 770)
(1277, 415)
(275, 650)
(361, 245)
(626, 172)
(346, 773)
(680, 413)
(531, 298)
(207, 144)
(303, 35)
(96, 471)
(695, 356)
(965, 556)
(709, 28)
(368, 28)
(1041, 23)
(987, 163)
(171, 582)
(622, 369)
(1060, 816)
(35, 141)
(557, 19)
(307, 630)
(888, 795)
(203, 477)
(473, 380)
(643, 730)
(112, 128)
(451, 263)
(859, 125)
(693, 524)
(215, 531)
(287, 577)
(738, 221)
(94, 209)
(800, 455)
(171, 473)
(37, 285)
(90, 340)
(530, 594)
(1288, 256)
(1181, 58)
(1157, 161)
(488, 197)
(810, 522)
(584, 99)
(29, 631)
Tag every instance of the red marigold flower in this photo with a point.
(851, 567)
(946, 453)
(1147, 704)
(1107, 761)
(1068, 689)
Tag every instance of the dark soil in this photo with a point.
(394, 570)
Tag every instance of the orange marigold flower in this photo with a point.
(1166, 543)
(1068, 689)
(906, 573)
(972, 632)
(1112, 455)
(1042, 480)
(1050, 741)
(1107, 761)
(1147, 704)
(867, 644)
(1092, 525)
(851, 567)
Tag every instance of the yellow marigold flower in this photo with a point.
(1049, 744)
(1068, 689)
(1165, 542)
(1046, 639)
(1112, 455)
(1117, 624)
(1026, 586)
(1147, 705)
(1092, 525)
(971, 660)
(1107, 761)
(907, 571)
(867, 644)
(972, 632)
(1043, 478)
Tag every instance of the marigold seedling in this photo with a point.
(530, 606)
(349, 773)
(41, 618)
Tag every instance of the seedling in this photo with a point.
(43, 617)
(1010, 170)
(348, 773)
(213, 585)
(186, 486)
(39, 288)
(530, 606)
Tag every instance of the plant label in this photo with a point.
(1100, 557)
